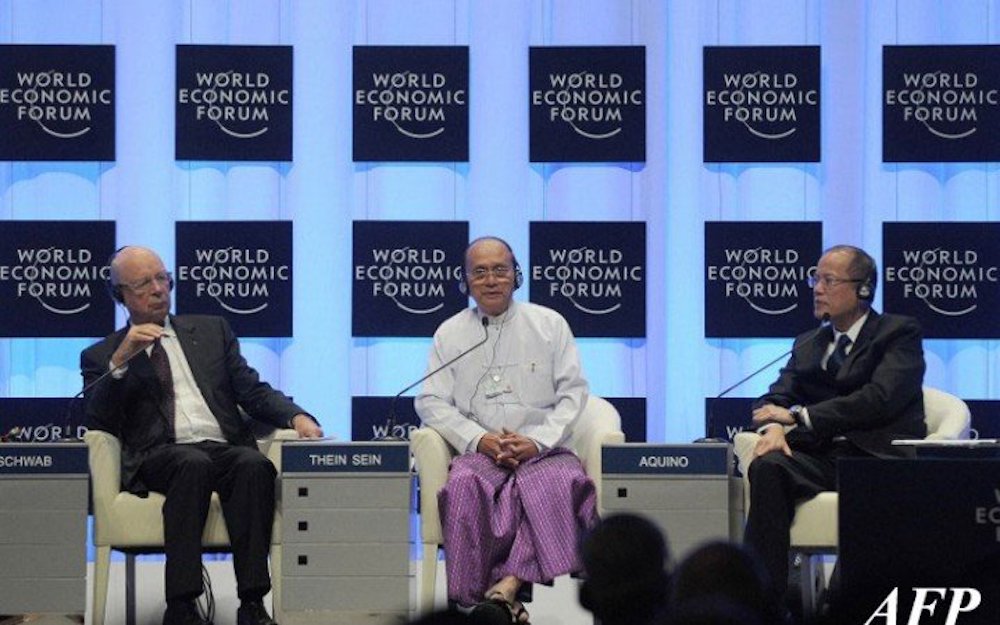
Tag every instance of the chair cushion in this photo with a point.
(138, 522)
(815, 522)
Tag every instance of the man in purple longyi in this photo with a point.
(517, 500)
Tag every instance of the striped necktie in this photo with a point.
(839, 355)
(161, 365)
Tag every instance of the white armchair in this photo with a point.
(132, 524)
(599, 424)
(814, 527)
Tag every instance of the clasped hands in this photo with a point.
(507, 449)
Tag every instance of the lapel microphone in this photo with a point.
(710, 420)
(391, 422)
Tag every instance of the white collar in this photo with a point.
(853, 331)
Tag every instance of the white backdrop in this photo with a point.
(498, 191)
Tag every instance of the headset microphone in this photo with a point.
(391, 422)
(710, 420)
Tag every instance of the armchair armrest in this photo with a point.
(743, 445)
(431, 455)
(104, 453)
(270, 445)
(600, 424)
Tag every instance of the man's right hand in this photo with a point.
(138, 337)
(772, 439)
(489, 444)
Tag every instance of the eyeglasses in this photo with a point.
(500, 272)
(142, 287)
(829, 281)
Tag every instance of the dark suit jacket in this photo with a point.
(130, 408)
(876, 396)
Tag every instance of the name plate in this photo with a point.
(43, 459)
(321, 457)
(641, 459)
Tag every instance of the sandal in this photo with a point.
(518, 614)
(496, 604)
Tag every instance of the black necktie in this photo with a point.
(161, 365)
(839, 355)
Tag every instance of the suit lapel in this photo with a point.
(813, 350)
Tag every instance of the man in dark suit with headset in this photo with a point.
(173, 397)
(847, 390)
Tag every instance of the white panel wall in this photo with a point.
(499, 191)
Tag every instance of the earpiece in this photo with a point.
(865, 291)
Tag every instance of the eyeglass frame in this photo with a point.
(142, 287)
(500, 272)
(829, 281)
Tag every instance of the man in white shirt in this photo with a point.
(516, 500)
(173, 398)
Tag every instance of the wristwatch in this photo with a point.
(796, 412)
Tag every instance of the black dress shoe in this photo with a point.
(183, 613)
(253, 613)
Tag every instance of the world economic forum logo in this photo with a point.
(405, 276)
(945, 274)
(52, 277)
(240, 270)
(587, 103)
(600, 286)
(941, 103)
(762, 104)
(756, 277)
(57, 102)
(234, 102)
(411, 103)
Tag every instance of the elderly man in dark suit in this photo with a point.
(847, 390)
(173, 397)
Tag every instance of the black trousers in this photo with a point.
(245, 481)
(777, 483)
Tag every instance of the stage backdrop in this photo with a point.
(496, 187)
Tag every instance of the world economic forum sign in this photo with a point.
(944, 274)
(57, 103)
(940, 103)
(53, 277)
(241, 270)
(761, 104)
(411, 103)
(587, 104)
(405, 276)
(593, 273)
(756, 278)
(234, 103)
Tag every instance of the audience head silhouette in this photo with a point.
(721, 582)
(625, 558)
